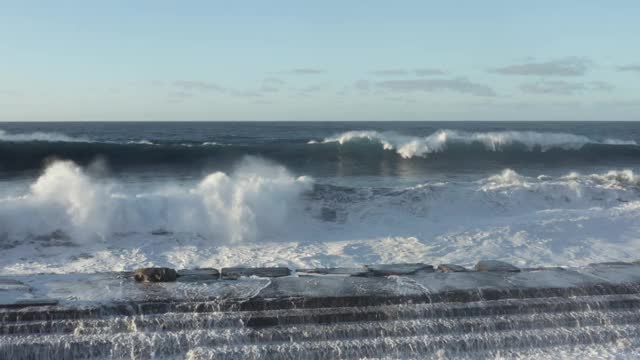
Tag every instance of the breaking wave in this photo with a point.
(256, 198)
(260, 214)
(262, 200)
(443, 148)
(412, 146)
(39, 136)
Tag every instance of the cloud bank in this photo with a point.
(569, 66)
(461, 85)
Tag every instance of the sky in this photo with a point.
(323, 60)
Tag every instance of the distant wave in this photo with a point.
(55, 137)
(442, 149)
(39, 136)
(412, 146)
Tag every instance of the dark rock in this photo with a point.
(452, 268)
(361, 271)
(495, 265)
(233, 273)
(156, 274)
(161, 232)
(397, 269)
(196, 275)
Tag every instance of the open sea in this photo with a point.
(102, 196)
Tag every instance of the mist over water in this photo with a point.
(97, 197)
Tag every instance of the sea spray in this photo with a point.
(257, 196)
(63, 199)
(255, 199)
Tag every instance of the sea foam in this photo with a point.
(412, 146)
(261, 214)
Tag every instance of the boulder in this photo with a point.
(396, 269)
(452, 268)
(155, 274)
(198, 275)
(233, 273)
(340, 271)
(495, 265)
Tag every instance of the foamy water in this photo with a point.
(260, 214)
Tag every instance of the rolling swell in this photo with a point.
(362, 156)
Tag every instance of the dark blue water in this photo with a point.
(200, 147)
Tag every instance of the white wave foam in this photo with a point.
(255, 199)
(59, 137)
(39, 136)
(410, 146)
(257, 216)
(140, 142)
(615, 180)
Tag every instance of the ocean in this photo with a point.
(112, 196)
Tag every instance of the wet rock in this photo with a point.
(544, 268)
(82, 256)
(360, 271)
(30, 302)
(495, 265)
(155, 274)
(197, 275)
(614, 263)
(233, 273)
(451, 268)
(397, 269)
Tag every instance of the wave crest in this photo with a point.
(411, 146)
(255, 199)
(39, 136)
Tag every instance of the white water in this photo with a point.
(260, 214)
(39, 136)
(56, 137)
(411, 146)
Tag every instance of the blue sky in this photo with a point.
(324, 60)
